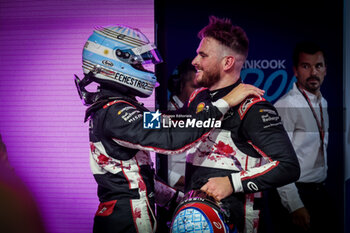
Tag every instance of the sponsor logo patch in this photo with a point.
(245, 106)
(107, 63)
(269, 111)
(106, 208)
(200, 107)
(268, 118)
(252, 186)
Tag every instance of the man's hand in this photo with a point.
(241, 92)
(301, 218)
(218, 187)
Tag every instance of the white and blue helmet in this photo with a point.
(200, 213)
(119, 57)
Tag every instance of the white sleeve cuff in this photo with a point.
(237, 183)
(222, 105)
(290, 197)
(297, 204)
(173, 177)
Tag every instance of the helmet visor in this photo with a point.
(146, 54)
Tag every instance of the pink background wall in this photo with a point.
(41, 115)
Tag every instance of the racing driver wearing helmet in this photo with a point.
(116, 58)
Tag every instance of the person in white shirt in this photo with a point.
(304, 115)
(181, 85)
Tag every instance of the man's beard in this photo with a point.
(209, 79)
(310, 87)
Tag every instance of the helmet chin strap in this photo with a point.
(87, 97)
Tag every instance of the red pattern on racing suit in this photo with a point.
(252, 148)
(123, 168)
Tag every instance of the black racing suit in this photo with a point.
(251, 148)
(121, 165)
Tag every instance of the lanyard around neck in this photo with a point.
(320, 124)
(174, 103)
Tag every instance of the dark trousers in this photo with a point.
(118, 219)
(276, 219)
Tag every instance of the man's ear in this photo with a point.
(228, 62)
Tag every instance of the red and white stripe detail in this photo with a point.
(194, 94)
(262, 153)
(140, 209)
(251, 220)
(259, 171)
(247, 104)
(156, 149)
(140, 215)
(115, 102)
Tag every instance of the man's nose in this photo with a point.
(313, 70)
(194, 61)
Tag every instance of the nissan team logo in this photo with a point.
(252, 186)
(107, 63)
(217, 225)
(121, 36)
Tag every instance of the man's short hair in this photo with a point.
(227, 34)
(180, 76)
(307, 47)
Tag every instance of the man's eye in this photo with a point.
(319, 66)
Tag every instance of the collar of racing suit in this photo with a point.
(105, 96)
(219, 93)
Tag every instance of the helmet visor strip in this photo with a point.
(147, 54)
(142, 58)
